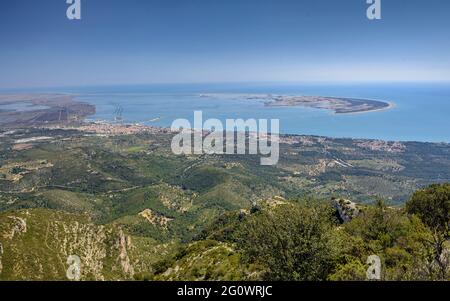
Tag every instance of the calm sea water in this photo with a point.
(421, 112)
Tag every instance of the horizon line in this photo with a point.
(187, 83)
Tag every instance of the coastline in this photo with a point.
(105, 127)
(332, 103)
(391, 105)
(54, 119)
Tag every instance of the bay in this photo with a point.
(421, 111)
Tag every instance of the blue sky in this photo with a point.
(176, 41)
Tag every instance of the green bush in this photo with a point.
(292, 242)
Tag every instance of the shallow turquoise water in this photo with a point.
(421, 113)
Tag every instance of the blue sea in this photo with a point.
(421, 112)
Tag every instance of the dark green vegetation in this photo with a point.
(432, 205)
(132, 210)
(302, 240)
(291, 242)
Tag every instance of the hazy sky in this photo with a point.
(160, 41)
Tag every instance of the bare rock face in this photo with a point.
(123, 244)
(14, 227)
(1, 254)
(84, 240)
(155, 219)
(90, 242)
(40, 242)
(18, 227)
(444, 261)
(346, 209)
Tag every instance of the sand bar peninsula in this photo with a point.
(339, 105)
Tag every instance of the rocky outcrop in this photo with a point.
(18, 227)
(90, 242)
(155, 218)
(124, 244)
(346, 210)
(1, 255)
(39, 243)
(83, 240)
